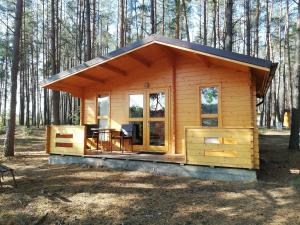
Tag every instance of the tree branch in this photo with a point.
(6, 25)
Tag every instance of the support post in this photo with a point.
(81, 111)
(174, 128)
(47, 144)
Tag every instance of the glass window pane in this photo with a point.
(137, 133)
(157, 133)
(136, 106)
(157, 104)
(103, 123)
(209, 122)
(103, 105)
(209, 100)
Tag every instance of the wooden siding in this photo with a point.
(66, 140)
(236, 87)
(89, 111)
(159, 77)
(235, 95)
(235, 147)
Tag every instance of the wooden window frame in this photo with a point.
(108, 117)
(138, 119)
(199, 104)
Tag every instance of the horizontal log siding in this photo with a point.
(236, 99)
(235, 95)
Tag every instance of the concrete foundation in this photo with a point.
(161, 168)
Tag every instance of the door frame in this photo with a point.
(146, 119)
(154, 148)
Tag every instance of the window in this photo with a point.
(209, 107)
(137, 132)
(136, 116)
(157, 133)
(136, 106)
(157, 105)
(103, 111)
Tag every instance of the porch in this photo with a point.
(206, 146)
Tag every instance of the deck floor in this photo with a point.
(140, 156)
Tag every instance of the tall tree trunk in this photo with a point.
(204, 23)
(88, 31)
(248, 27)
(142, 20)
(294, 136)
(94, 30)
(6, 76)
(186, 21)
(280, 92)
(10, 133)
(268, 53)
(177, 18)
(22, 74)
(214, 24)
(122, 24)
(163, 18)
(268, 30)
(218, 22)
(289, 67)
(228, 26)
(256, 41)
(153, 25)
(55, 94)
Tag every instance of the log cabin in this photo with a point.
(188, 103)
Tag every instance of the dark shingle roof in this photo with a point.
(172, 42)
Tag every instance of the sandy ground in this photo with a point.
(71, 194)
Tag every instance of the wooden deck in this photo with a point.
(139, 156)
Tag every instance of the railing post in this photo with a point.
(84, 143)
(47, 143)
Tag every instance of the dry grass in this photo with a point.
(71, 194)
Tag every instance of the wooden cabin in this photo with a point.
(184, 99)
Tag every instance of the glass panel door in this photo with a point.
(148, 112)
(157, 121)
(157, 133)
(136, 116)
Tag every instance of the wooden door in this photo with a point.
(157, 120)
(148, 110)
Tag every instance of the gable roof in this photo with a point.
(250, 61)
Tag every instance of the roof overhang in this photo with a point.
(260, 67)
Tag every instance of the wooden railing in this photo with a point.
(65, 139)
(214, 146)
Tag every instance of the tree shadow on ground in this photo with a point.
(138, 198)
(73, 194)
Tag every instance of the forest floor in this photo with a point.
(73, 194)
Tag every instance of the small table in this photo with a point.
(104, 131)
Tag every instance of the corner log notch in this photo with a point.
(113, 69)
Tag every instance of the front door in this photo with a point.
(148, 111)
(157, 123)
